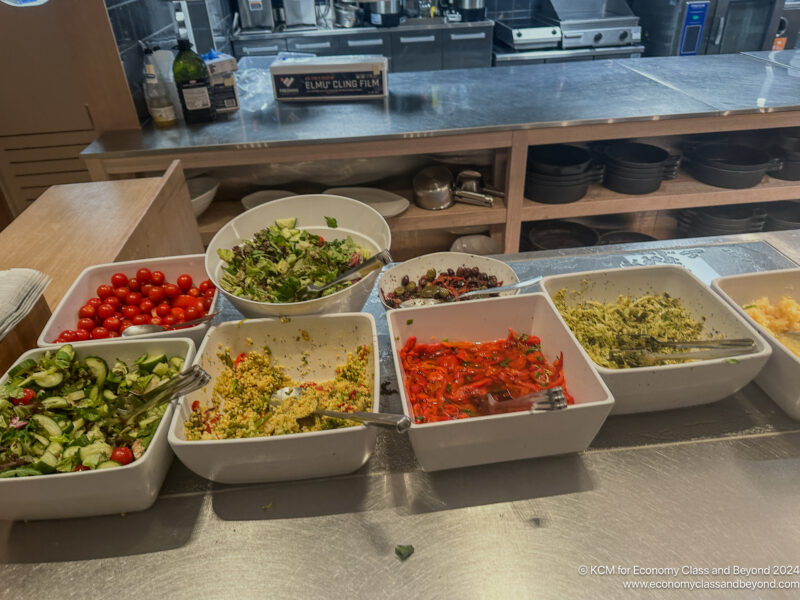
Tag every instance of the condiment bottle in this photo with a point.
(194, 84)
(156, 94)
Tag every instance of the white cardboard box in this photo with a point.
(329, 78)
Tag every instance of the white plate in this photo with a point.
(386, 203)
(262, 196)
(662, 387)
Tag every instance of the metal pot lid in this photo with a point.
(433, 179)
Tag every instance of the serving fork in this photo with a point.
(550, 399)
(183, 383)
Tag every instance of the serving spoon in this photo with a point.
(399, 422)
(149, 328)
(488, 291)
(359, 271)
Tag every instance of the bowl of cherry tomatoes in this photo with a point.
(106, 299)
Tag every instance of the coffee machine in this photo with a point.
(256, 14)
(471, 10)
(383, 13)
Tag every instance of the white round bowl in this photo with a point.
(363, 224)
(262, 196)
(417, 267)
(476, 244)
(202, 191)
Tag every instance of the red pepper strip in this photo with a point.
(239, 359)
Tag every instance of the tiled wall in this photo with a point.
(510, 9)
(152, 22)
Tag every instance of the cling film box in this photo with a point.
(360, 77)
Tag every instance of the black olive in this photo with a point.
(492, 281)
(404, 281)
(476, 271)
(450, 272)
(423, 282)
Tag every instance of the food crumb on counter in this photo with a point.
(403, 551)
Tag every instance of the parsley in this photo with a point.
(749, 306)
(731, 361)
(504, 363)
(331, 222)
(403, 552)
(409, 321)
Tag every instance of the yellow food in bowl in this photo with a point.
(785, 316)
(240, 401)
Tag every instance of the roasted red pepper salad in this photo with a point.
(448, 380)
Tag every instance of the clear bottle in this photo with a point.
(194, 84)
(156, 95)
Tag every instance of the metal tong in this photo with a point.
(185, 382)
(547, 400)
(359, 271)
(645, 348)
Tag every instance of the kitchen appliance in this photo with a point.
(591, 23)
(471, 10)
(299, 14)
(256, 14)
(384, 13)
(348, 14)
(684, 28)
(785, 36)
(527, 34)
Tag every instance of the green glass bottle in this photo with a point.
(194, 84)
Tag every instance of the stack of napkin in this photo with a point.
(20, 289)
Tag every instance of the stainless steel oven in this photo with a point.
(688, 27)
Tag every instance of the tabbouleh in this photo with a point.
(240, 399)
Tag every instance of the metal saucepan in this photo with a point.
(434, 189)
(472, 181)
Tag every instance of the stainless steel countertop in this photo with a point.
(404, 26)
(433, 103)
(787, 58)
(704, 487)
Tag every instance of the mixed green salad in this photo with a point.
(62, 413)
(281, 260)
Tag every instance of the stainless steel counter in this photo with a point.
(704, 487)
(405, 25)
(435, 103)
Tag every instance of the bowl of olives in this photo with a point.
(443, 276)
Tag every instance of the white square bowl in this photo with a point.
(128, 488)
(511, 436)
(296, 455)
(65, 316)
(662, 387)
(780, 377)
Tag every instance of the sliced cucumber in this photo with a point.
(70, 452)
(161, 369)
(75, 396)
(108, 464)
(55, 402)
(177, 362)
(109, 395)
(21, 367)
(78, 423)
(20, 472)
(95, 453)
(48, 379)
(66, 353)
(46, 423)
(98, 368)
(287, 223)
(149, 361)
(46, 464)
(55, 449)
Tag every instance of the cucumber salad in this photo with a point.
(281, 260)
(63, 414)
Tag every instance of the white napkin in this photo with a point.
(19, 291)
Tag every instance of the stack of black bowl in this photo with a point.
(782, 215)
(560, 173)
(721, 220)
(734, 166)
(786, 146)
(555, 235)
(634, 168)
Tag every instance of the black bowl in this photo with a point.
(553, 235)
(558, 159)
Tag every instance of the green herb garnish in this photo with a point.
(403, 552)
(409, 321)
(731, 361)
(331, 222)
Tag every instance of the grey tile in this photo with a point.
(123, 26)
(159, 14)
(133, 64)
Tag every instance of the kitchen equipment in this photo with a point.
(662, 387)
(473, 294)
(399, 422)
(633, 168)
(190, 380)
(384, 13)
(780, 377)
(561, 189)
(721, 220)
(202, 191)
(348, 14)
(786, 35)
(502, 402)
(299, 14)
(256, 14)
(729, 165)
(363, 224)
(127, 489)
(476, 244)
(503, 55)
(632, 341)
(591, 23)
(527, 34)
(558, 159)
(262, 196)
(684, 27)
(554, 235)
(149, 328)
(472, 181)
(624, 237)
(782, 216)
(470, 10)
(510, 436)
(386, 203)
(373, 263)
(726, 178)
(295, 455)
(434, 190)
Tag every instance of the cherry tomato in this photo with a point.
(205, 284)
(146, 287)
(207, 304)
(81, 335)
(184, 281)
(114, 334)
(122, 455)
(112, 323)
(87, 310)
(169, 320)
(209, 293)
(104, 291)
(125, 324)
(130, 311)
(171, 290)
(194, 292)
(146, 305)
(27, 397)
(191, 312)
(155, 320)
(119, 280)
(157, 277)
(178, 313)
(321, 241)
(156, 293)
(141, 319)
(121, 292)
(94, 302)
(81, 468)
(133, 298)
(183, 301)
(114, 302)
(86, 323)
(143, 275)
(99, 333)
(134, 284)
(104, 311)
(68, 335)
(163, 309)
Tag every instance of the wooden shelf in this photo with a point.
(681, 192)
(413, 219)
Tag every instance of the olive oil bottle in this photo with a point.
(194, 84)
